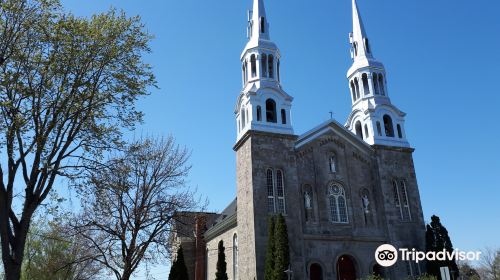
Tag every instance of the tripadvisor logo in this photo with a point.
(387, 255)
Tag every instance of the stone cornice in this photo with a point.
(394, 148)
(345, 238)
(250, 133)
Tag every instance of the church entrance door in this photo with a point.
(345, 268)
(316, 272)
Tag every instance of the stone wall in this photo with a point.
(212, 254)
(397, 164)
(274, 151)
(245, 208)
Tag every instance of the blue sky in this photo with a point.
(441, 58)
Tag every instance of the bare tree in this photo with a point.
(129, 206)
(68, 87)
(489, 265)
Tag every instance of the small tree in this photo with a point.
(269, 270)
(437, 239)
(282, 255)
(178, 271)
(53, 254)
(221, 273)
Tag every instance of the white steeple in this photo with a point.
(373, 118)
(359, 38)
(262, 104)
(259, 18)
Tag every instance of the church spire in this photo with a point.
(259, 25)
(358, 38)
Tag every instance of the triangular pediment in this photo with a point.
(334, 128)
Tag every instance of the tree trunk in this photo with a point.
(13, 255)
(13, 261)
(12, 270)
(126, 275)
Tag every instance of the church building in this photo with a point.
(344, 189)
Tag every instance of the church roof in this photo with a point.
(229, 211)
(226, 220)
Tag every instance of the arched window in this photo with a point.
(353, 91)
(235, 256)
(278, 70)
(401, 200)
(283, 116)
(397, 201)
(389, 129)
(244, 70)
(400, 132)
(404, 201)
(375, 83)
(356, 85)
(381, 83)
(332, 162)
(366, 131)
(280, 191)
(367, 45)
(262, 25)
(271, 110)
(355, 46)
(359, 130)
(259, 114)
(271, 66)
(338, 205)
(379, 129)
(270, 191)
(315, 272)
(263, 64)
(366, 88)
(243, 118)
(253, 65)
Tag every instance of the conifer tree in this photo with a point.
(282, 251)
(178, 271)
(269, 269)
(437, 239)
(221, 273)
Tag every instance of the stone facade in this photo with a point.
(367, 175)
(362, 170)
